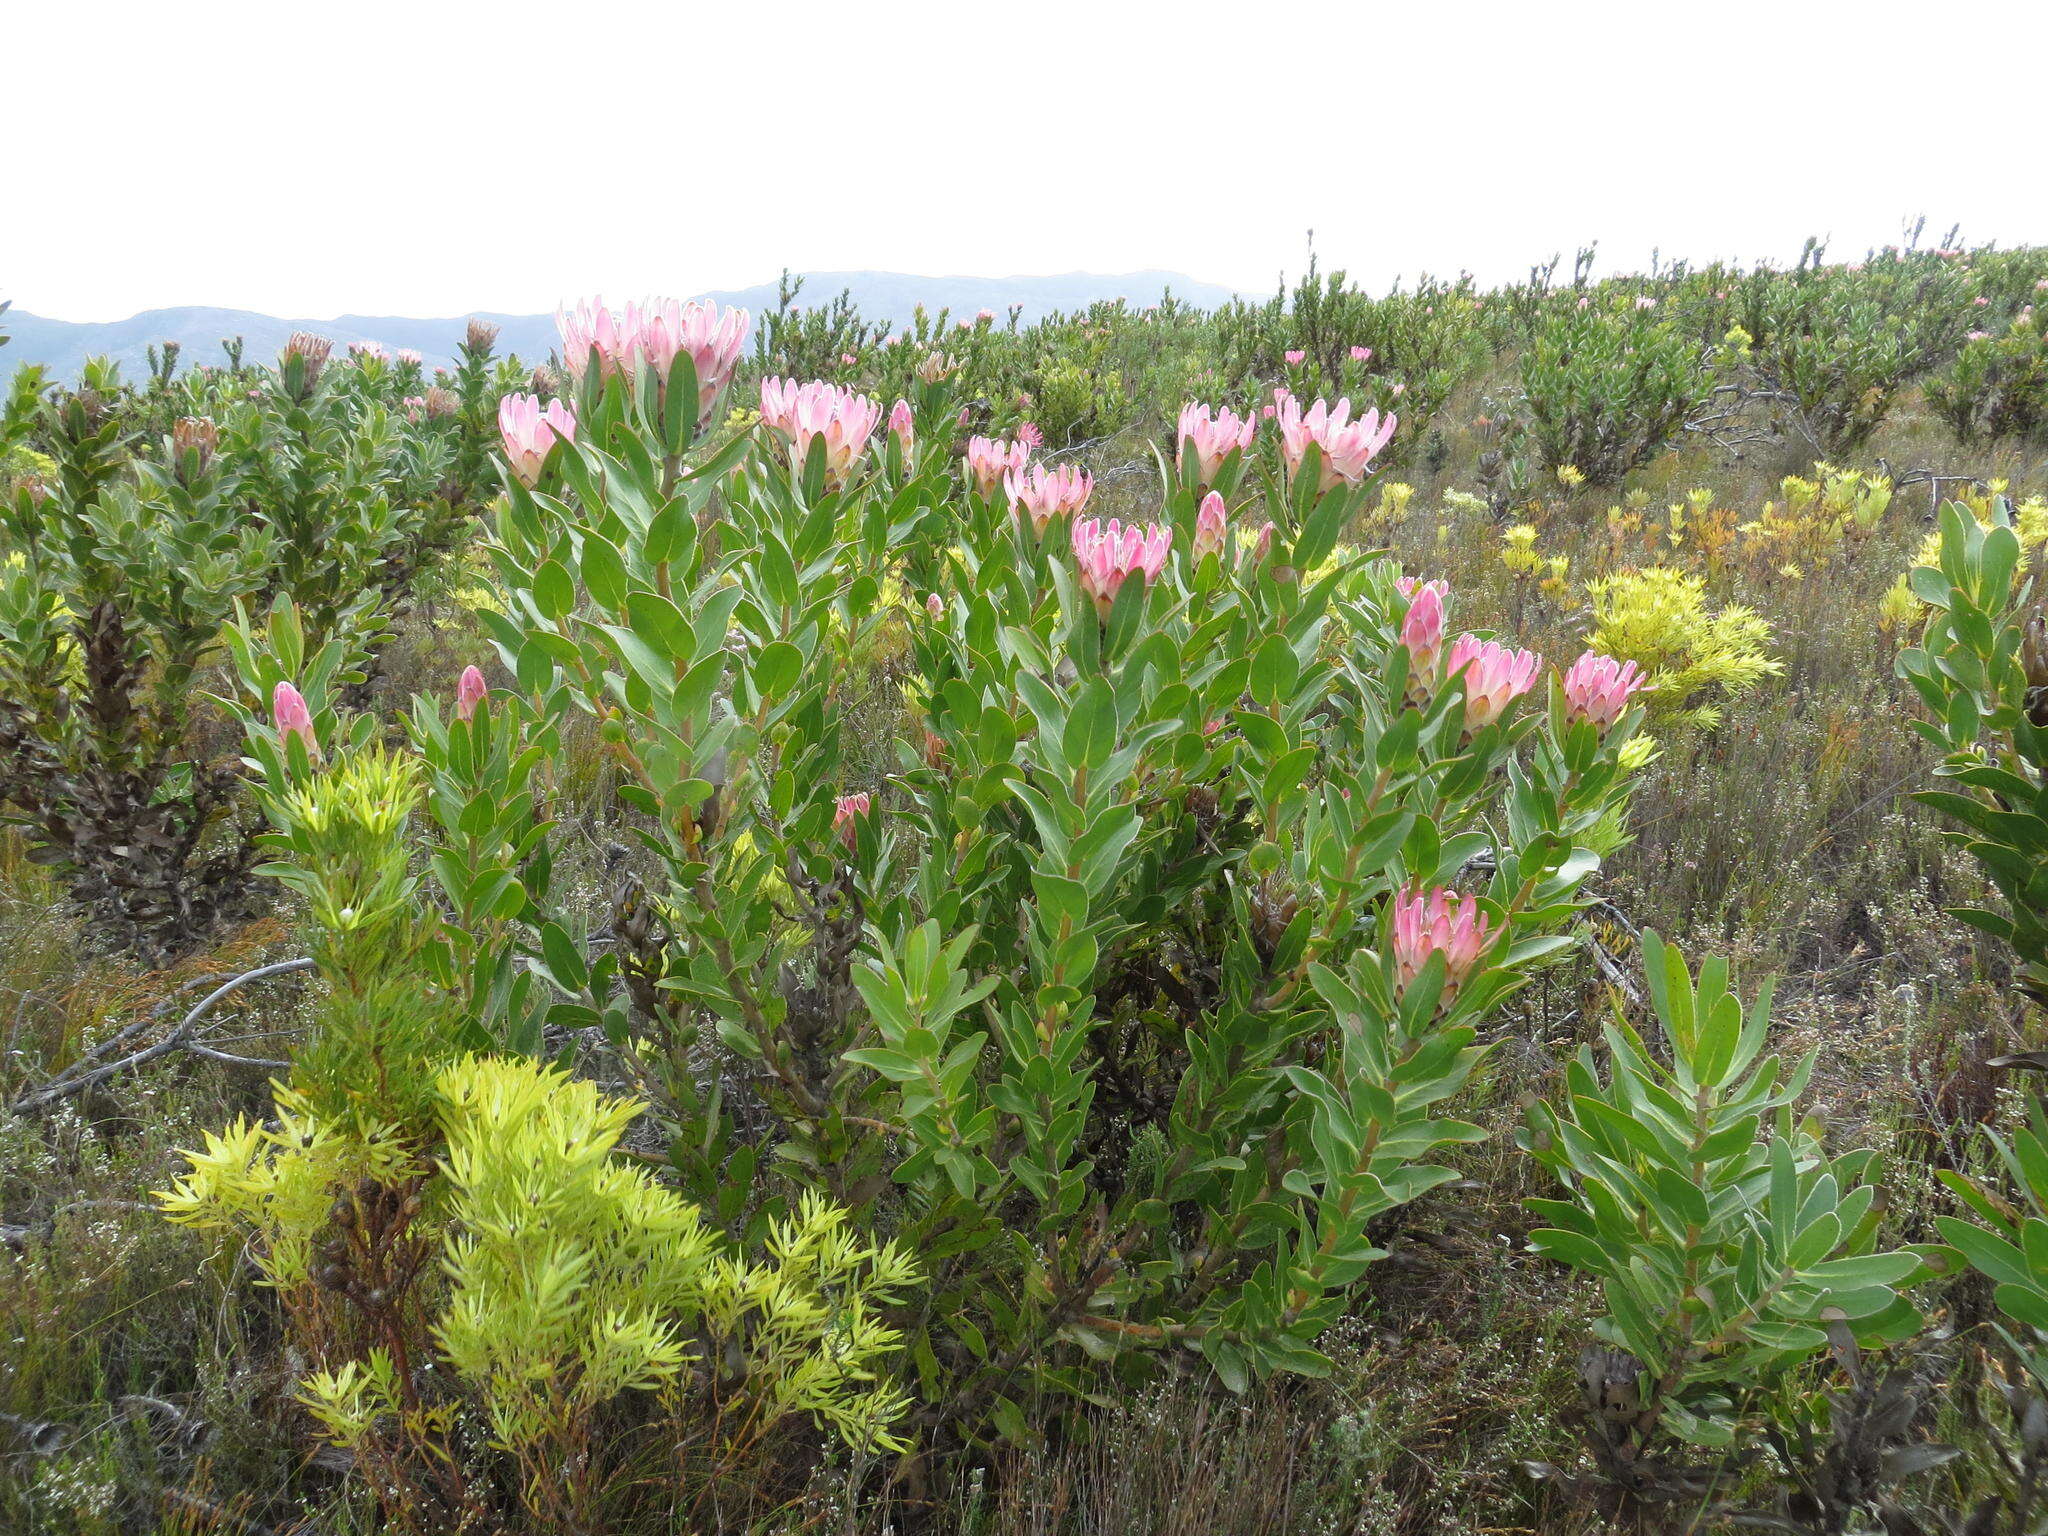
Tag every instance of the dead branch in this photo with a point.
(81, 1075)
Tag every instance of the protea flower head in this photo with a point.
(1048, 493)
(1106, 555)
(195, 434)
(649, 334)
(1348, 446)
(844, 419)
(714, 338)
(1442, 922)
(846, 814)
(1493, 675)
(529, 432)
(989, 459)
(1598, 688)
(1215, 435)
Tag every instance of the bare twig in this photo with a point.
(78, 1077)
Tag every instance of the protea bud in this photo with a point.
(2034, 662)
(1422, 633)
(470, 691)
(288, 712)
(903, 427)
(1212, 528)
(299, 368)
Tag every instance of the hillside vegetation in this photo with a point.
(1398, 914)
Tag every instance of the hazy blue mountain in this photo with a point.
(64, 345)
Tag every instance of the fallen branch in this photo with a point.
(80, 1076)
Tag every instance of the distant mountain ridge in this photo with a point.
(64, 345)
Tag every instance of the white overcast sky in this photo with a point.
(310, 158)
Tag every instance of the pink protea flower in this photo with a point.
(843, 418)
(1422, 632)
(1212, 528)
(408, 356)
(1048, 493)
(592, 327)
(935, 605)
(713, 337)
(1214, 435)
(1348, 447)
(1644, 301)
(985, 315)
(989, 459)
(1494, 676)
(470, 691)
(415, 407)
(529, 431)
(367, 349)
(288, 712)
(848, 359)
(1598, 688)
(1360, 354)
(1029, 435)
(650, 334)
(1980, 301)
(1439, 922)
(1978, 336)
(1264, 544)
(1106, 555)
(1295, 357)
(846, 815)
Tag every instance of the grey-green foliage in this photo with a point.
(1729, 1244)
